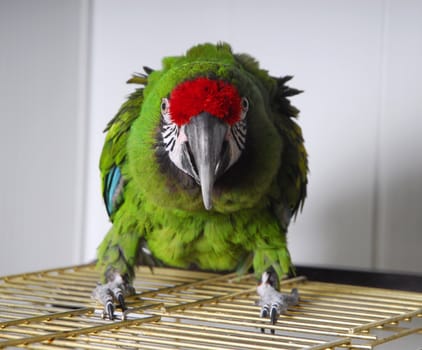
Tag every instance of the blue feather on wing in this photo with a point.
(113, 189)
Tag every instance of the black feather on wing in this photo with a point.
(292, 176)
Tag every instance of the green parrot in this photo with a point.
(202, 167)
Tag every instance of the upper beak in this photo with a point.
(206, 135)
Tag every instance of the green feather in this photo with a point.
(248, 223)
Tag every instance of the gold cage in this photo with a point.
(178, 309)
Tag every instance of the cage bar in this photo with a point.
(181, 309)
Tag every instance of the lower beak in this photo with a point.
(206, 135)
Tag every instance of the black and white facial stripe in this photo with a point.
(170, 132)
(238, 132)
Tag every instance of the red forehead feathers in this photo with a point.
(216, 97)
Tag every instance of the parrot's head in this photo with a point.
(204, 129)
(208, 117)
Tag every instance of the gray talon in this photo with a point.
(264, 314)
(273, 315)
(272, 302)
(122, 303)
(113, 292)
(110, 310)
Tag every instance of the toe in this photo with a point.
(273, 315)
(122, 302)
(111, 293)
(109, 311)
(264, 311)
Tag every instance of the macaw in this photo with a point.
(202, 167)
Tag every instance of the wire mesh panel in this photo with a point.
(197, 310)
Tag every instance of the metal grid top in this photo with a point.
(196, 310)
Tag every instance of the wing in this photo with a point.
(292, 176)
(113, 155)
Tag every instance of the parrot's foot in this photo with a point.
(113, 292)
(272, 302)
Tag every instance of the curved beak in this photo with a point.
(205, 135)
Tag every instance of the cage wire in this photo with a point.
(180, 309)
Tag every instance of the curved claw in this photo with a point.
(122, 302)
(110, 310)
(264, 314)
(273, 315)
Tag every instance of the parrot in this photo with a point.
(203, 167)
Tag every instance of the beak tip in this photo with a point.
(208, 205)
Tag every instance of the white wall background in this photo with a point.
(63, 67)
(43, 46)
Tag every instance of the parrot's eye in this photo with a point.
(165, 110)
(164, 106)
(244, 104)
